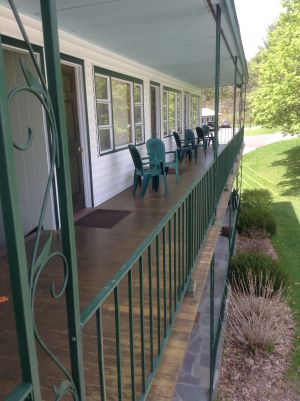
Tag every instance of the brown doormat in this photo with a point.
(102, 218)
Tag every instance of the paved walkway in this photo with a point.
(257, 141)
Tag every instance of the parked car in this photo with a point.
(225, 124)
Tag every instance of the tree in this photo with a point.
(275, 100)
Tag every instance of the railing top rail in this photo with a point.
(94, 305)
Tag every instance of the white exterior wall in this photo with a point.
(113, 172)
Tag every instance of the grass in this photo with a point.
(257, 130)
(277, 168)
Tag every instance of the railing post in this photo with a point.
(217, 78)
(50, 31)
(16, 254)
(234, 95)
(212, 328)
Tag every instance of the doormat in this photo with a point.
(102, 218)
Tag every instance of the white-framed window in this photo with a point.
(172, 111)
(120, 111)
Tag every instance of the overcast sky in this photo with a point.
(254, 18)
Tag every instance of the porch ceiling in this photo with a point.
(175, 37)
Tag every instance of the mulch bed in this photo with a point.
(257, 376)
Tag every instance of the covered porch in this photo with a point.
(132, 279)
(114, 293)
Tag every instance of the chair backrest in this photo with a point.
(177, 139)
(189, 135)
(200, 133)
(205, 129)
(136, 157)
(156, 149)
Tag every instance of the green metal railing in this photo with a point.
(119, 339)
(150, 287)
(217, 316)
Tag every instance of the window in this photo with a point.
(172, 111)
(120, 111)
(195, 111)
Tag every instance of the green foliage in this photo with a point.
(257, 198)
(262, 268)
(256, 212)
(276, 74)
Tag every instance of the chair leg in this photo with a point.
(177, 173)
(166, 184)
(135, 182)
(146, 179)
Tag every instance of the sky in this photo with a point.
(254, 18)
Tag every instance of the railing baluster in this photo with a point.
(142, 322)
(131, 335)
(183, 244)
(158, 293)
(118, 342)
(150, 306)
(179, 254)
(101, 366)
(174, 260)
(164, 281)
(170, 270)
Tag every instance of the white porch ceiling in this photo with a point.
(175, 37)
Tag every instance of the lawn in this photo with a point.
(257, 130)
(277, 167)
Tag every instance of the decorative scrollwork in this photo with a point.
(40, 258)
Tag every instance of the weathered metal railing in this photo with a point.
(217, 313)
(140, 304)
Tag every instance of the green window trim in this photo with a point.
(194, 111)
(115, 134)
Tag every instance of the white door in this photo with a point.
(31, 165)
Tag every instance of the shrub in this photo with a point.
(256, 212)
(258, 322)
(257, 198)
(256, 218)
(259, 266)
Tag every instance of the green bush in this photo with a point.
(262, 268)
(256, 212)
(256, 218)
(257, 198)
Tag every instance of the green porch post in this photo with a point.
(234, 95)
(16, 254)
(217, 78)
(50, 30)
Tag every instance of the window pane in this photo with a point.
(138, 114)
(172, 111)
(165, 98)
(101, 87)
(104, 139)
(194, 111)
(165, 127)
(137, 94)
(103, 113)
(178, 112)
(121, 100)
(138, 133)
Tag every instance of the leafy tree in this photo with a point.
(274, 100)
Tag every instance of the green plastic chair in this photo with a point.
(144, 170)
(183, 150)
(157, 154)
(190, 141)
(208, 133)
(202, 138)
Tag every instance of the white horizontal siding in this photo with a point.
(113, 172)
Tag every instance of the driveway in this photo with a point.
(257, 141)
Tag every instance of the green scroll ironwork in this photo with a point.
(42, 254)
